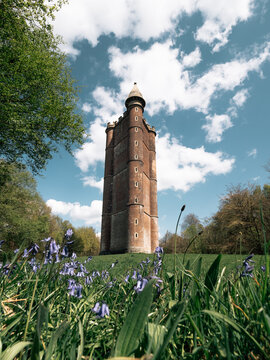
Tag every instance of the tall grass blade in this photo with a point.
(174, 320)
(14, 350)
(81, 346)
(53, 342)
(236, 327)
(133, 327)
(41, 318)
(212, 274)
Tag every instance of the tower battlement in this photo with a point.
(129, 215)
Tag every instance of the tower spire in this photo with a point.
(135, 97)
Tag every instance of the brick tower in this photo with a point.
(129, 215)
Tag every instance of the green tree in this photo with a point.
(237, 226)
(86, 236)
(24, 216)
(37, 94)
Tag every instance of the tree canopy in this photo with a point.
(37, 94)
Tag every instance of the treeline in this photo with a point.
(239, 226)
(25, 217)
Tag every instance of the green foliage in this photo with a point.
(23, 214)
(87, 238)
(37, 94)
(230, 323)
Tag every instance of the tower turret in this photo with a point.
(135, 98)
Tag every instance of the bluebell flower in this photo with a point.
(34, 249)
(113, 264)
(263, 268)
(104, 274)
(73, 256)
(126, 278)
(64, 251)
(134, 276)
(15, 251)
(101, 311)
(247, 268)
(68, 234)
(75, 289)
(159, 250)
(47, 239)
(88, 280)
(54, 248)
(140, 285)
(88, 259)
(25, 253)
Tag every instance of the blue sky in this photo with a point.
(203, 68)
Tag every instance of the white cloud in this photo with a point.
(215, 127)
(93, 150)
(240, 97)
(91, 215)
(91, 181)
(86, 107)
(219, 18)
(166, 84)
(252, 153)
(109, 104)
(192, 59)
(140, 19)
(180, 167)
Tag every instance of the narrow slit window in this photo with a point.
(136, 200)
(136, 118)
(136, 143)
(136, 157)
(136, 221)
(136, 169)
(136, 184)
(136, 235)
(136, 109)
(136, 129)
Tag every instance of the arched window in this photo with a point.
(136, 143)
(136, 200)
(136, 129)
(136, 235)
(136, 157)
(136, 221)
(136, 109)
(136, 184)
(136, 169)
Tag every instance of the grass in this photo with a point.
(202, 310)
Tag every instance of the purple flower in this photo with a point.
(73, 256)
(247, 268)
(47, 239)
(88, 259)
(54, 248)
(101, 311)
(75, 289)
(15, 251)
(68, 233)
(263, 268)
(134, 276)
(64, 252)
(140, 285)
(126, 278)
(34, 249)
(88, 280)
(159, 250)
(104, 274)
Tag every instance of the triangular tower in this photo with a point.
(129, 215)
